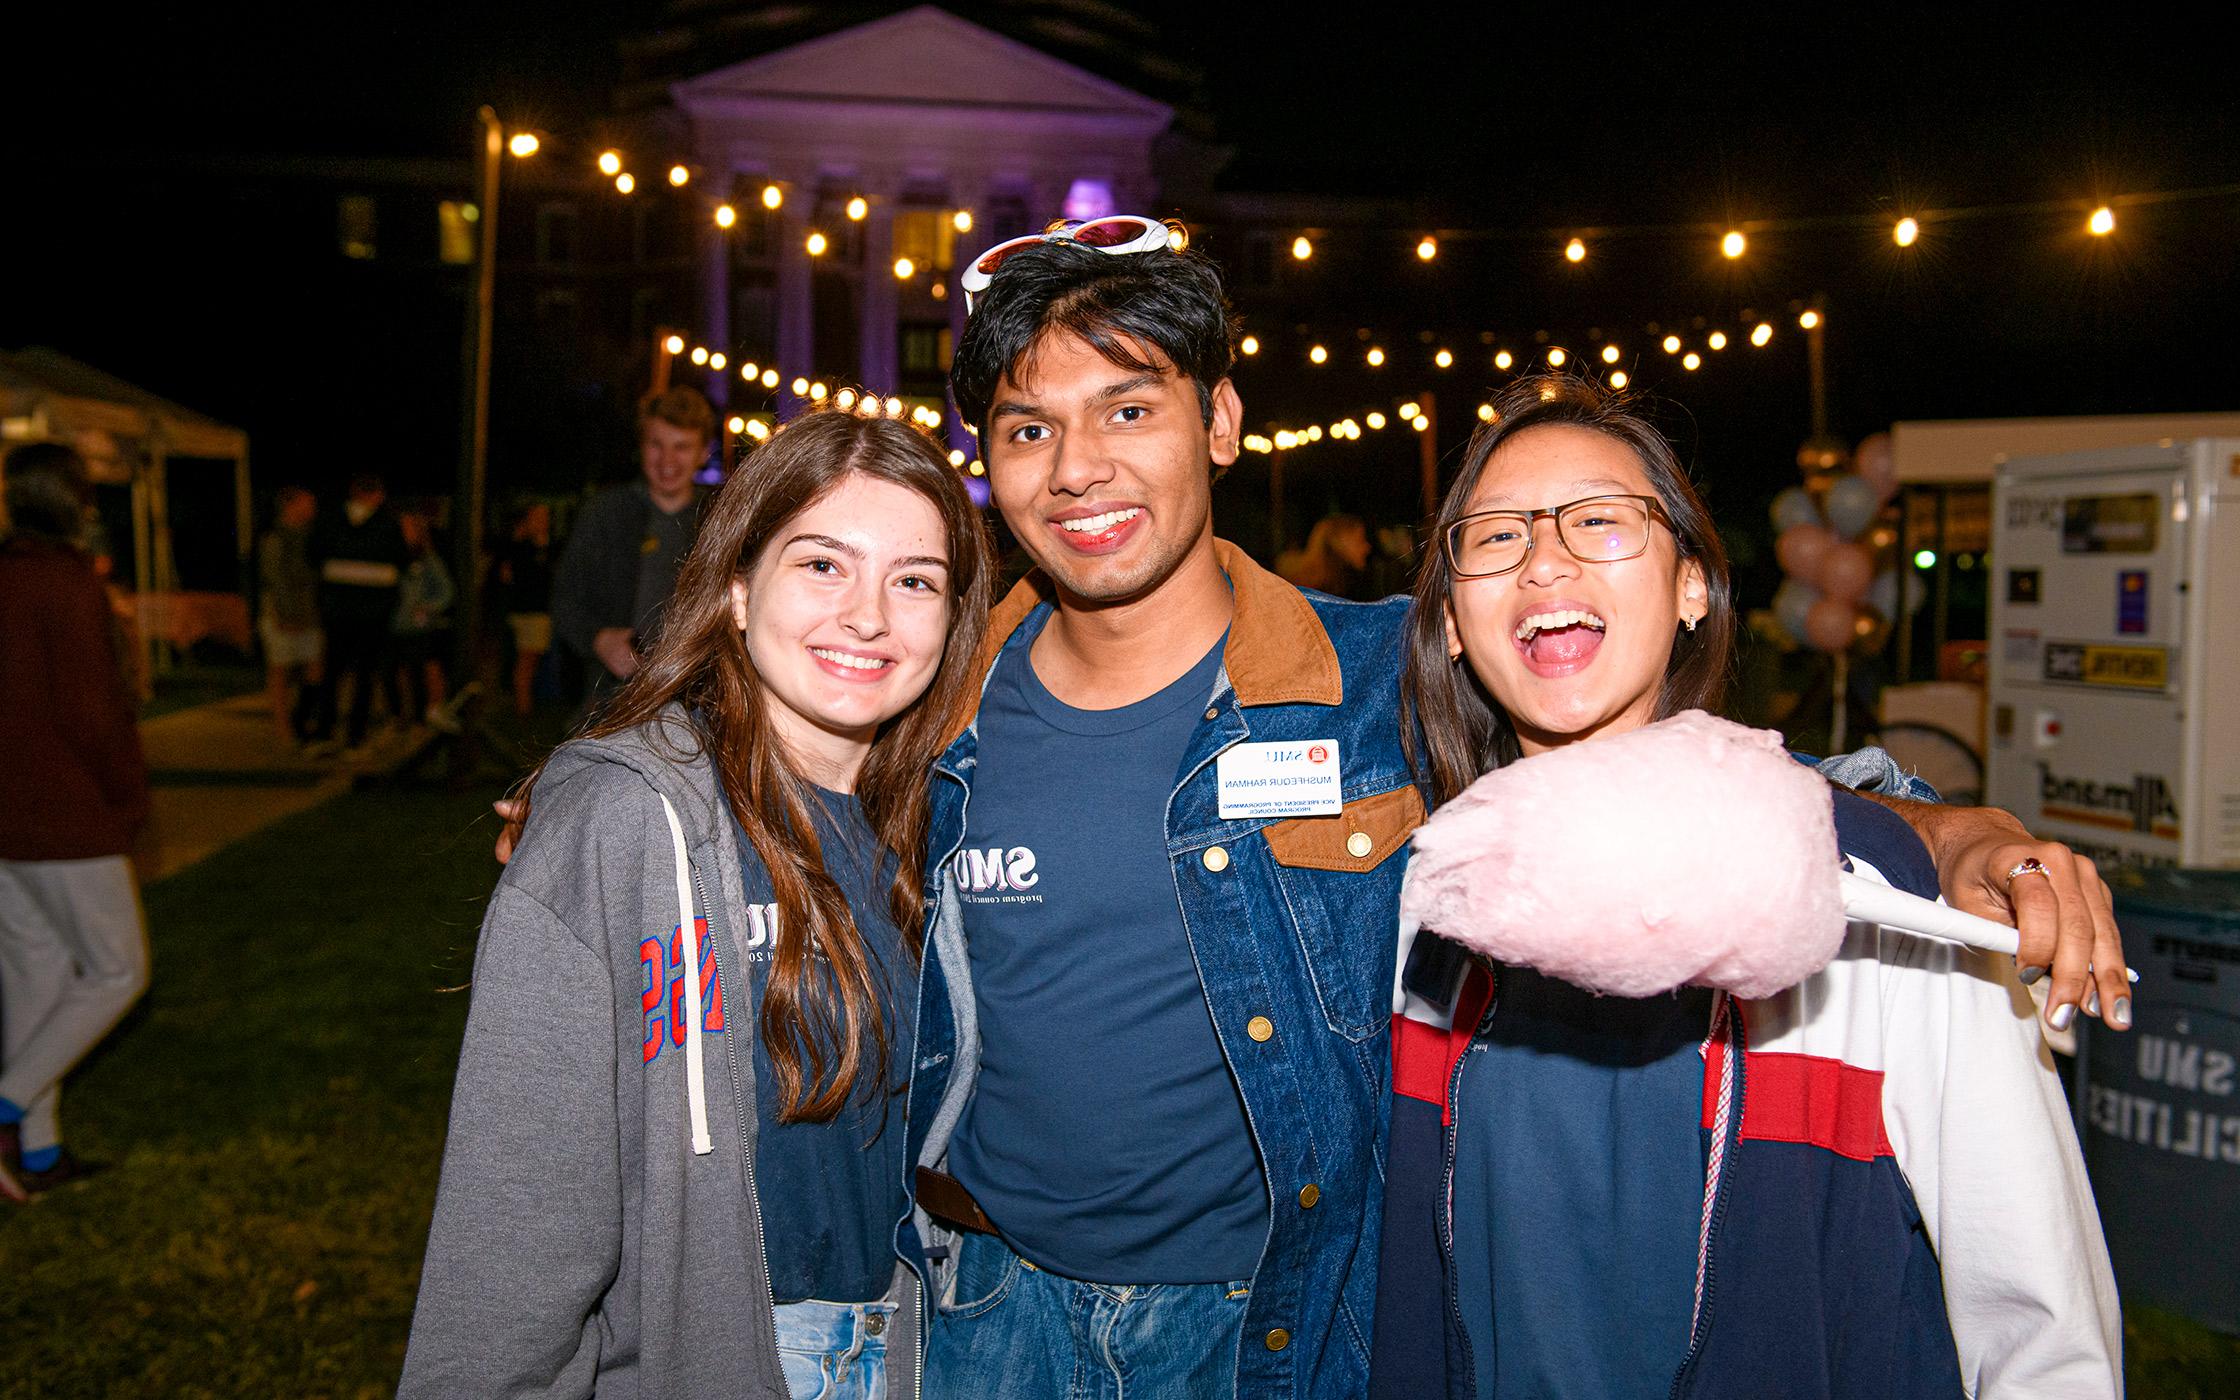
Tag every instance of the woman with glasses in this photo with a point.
(1894, 1206)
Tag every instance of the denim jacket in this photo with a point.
(1288, 920)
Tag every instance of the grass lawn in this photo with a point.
(275, 1111)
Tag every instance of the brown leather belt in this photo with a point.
(945, 1199)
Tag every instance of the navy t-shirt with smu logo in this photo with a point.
(1105, 1137)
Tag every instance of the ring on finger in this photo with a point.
(2028, 865)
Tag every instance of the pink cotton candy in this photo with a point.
(1690, 851)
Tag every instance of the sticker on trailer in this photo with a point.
(2145, 805)
(2131, 601)
(2129, 668)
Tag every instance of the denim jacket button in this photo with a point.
(1216, 859)
(1213, 714)
(1308, 1195)
(874, 1324)
(1360, 844)
(1260, 1028)
(1278, 1339)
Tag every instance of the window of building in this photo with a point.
(927, 237)
(356, 217)
(559, 233)
(456, 220)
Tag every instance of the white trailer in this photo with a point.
(2115, 651)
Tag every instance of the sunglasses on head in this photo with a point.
(1115, 233)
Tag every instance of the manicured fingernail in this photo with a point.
(2029, 976)
(2092, 1002)
(2120, 1017)
(2133, 974)
(2062, 1016)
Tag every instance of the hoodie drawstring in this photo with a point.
(688, 933)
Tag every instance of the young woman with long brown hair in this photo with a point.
(1865, 1186)
(675, 1156)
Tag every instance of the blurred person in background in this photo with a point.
(620, 562)
(73, 793)
(525, 570)
(1335, 559)
(288, 613)
(361, 565)
(421, 628)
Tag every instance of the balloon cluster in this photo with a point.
(1838, 591)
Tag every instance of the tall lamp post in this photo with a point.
(474, 445)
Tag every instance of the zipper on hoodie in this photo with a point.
(739, 1102)
(1457, 1328)
(1720, 1193)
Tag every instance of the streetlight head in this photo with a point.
(523, 144)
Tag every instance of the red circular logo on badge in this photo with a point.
(1316, 753)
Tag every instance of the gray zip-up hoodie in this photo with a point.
(597, 1230)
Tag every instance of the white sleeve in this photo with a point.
(1982, 1131)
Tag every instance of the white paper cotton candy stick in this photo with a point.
(1872, 902)
(1690, 851)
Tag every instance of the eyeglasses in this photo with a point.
(1118, 233)
(1596, 529)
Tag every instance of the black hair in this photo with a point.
(1162, 300)
(47, 490)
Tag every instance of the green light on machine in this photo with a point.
(1924, 559)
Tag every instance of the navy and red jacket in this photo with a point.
(1895, 1207)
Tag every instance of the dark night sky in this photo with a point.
(1509, 117)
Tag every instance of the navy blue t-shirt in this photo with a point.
(1105, 1137)
(831, 1192)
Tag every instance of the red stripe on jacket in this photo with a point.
(1423, 1055)
(1806, 1099)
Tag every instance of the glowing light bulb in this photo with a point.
(1419, 424)
(905, 269)
(977, 468)
(750, 371)
(1809, 320)
(1375, 422)
(772, 196)
(726, 216)
(610, 162)
(1717, 340)
(800, 387)
(757, 429)
(625, 182)
(1485, 413)
(769, 379)
(679, 176)
(1556, 357)
(817, 391)
(961, 221)
(858, 207)
(1428, 248)
(1733, 244)
(1762, 334)
(674, 345)
(1410, 409)
(894, 407)
(1302, 248)
(734, 425)
(1375, 357)
(1575, 251)
(699, 354)
(1250, 345)
(956, 456)
(1907, 231)
(523, 144)
(846, 398)
(1672, 345)
(1618, 379)
(1691, 360)
(1610, 354)
(1314, 433)
(2102, 223)
(816, 245)
(1317, 355)
(1502, 359)
(1178, 238)
(1924, 559)
(1286, 440)
(1444, 359)
(717, 359)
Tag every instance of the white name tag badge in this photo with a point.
(1298, 778)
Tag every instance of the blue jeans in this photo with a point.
(1011, 1331)
(834, 1351)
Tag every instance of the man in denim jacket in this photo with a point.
(1149, 1094)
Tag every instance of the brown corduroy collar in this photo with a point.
(1277, 652)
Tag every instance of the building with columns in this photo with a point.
(902, 146)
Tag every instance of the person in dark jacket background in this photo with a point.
(73, 793)
(361, 565)
(620, 563)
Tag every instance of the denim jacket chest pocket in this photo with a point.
(1342, 885)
